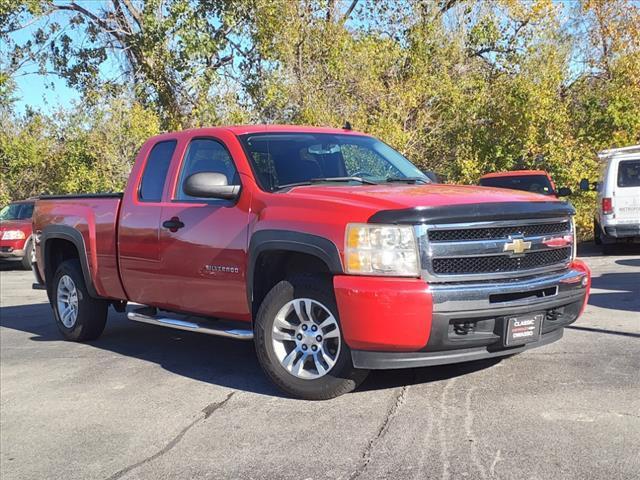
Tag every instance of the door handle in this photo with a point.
(173, 225)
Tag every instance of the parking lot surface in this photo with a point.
(153, 403)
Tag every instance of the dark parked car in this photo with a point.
(535, 181)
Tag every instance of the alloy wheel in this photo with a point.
(67, 296)
(306, 338)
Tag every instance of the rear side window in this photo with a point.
(629, 173)
(155, 171)
(206, 155)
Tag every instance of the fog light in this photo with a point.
(463, 328)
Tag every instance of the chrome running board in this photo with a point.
(237, 333)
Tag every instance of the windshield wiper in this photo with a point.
(343, 179)
(290, 185)
(408, 180)
(327, 179)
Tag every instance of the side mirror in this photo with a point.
(585, 186)
(564, 192)
(433, 176)
(210, 185)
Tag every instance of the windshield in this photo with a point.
(629, 173)
(281, 159)
(528, 183)
(17, 211)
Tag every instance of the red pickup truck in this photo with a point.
(326, 247)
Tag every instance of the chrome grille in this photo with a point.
(489, 233)
(494, 250)
(499, 263)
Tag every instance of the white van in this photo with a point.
(618, 216)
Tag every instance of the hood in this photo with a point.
(401, 196)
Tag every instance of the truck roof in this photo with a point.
(606, 154)
(514, 173)
(245, 129)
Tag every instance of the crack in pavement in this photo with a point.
(208, 410)
(496, 459)
(392, 411)
(473, 441)
(443, 431)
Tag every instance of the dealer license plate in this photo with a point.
(523, 329)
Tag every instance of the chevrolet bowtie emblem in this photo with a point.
(517, 246)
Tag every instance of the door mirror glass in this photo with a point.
(584, 185)
(210, 185)
(564, 192)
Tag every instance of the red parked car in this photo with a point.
(15, 232)
(535, 181)
(326, 247)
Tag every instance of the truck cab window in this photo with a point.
(155, 171)
(206, 155)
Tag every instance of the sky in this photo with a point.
(45, 92)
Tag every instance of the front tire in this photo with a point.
(299, 343)
(28, 255)
(79, 317)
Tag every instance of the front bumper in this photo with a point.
(623, 231)
(391, 360)
(397, 323)
(7, 251)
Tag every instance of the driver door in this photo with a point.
(203, 260)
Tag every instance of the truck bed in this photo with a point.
(81, 195)
(95, 218)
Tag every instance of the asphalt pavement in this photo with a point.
(146, 402)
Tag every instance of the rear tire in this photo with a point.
(301, 363)
(79, 317)
(597, 239)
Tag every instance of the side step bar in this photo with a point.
(237, 333)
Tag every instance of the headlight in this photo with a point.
(372, 249)
(13, 235)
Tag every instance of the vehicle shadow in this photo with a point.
(623, 294)
(590, 249)
(630, 262)
(225, 362)
(8, 265)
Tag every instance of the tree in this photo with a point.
(459, 87)
(89, 148)
(171, 51)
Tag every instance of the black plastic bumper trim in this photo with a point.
(623, 231)
(474, 212)
(392, 360)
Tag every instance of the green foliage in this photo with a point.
(83, 150)
(459, 87)
(481, 87)
(170, 52)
